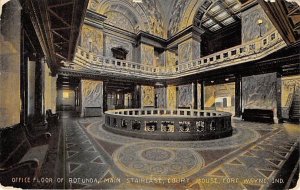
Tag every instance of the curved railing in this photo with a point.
(169, 124)
(250, 51)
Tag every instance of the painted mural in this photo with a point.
(155, 17)
(92, 39)
(176, 16)
(148, 96)
(185, 96)
(259, 91)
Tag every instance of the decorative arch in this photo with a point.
(145, 17)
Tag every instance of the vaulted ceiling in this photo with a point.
(165, 18)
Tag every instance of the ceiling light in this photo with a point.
(137, 1)
(212, 81)
(227, 79)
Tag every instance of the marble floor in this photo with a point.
(256, 156)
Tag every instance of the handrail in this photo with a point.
(245, 52)
(168, 112)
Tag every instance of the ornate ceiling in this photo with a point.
(165, 18)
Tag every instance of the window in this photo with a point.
(66, 95)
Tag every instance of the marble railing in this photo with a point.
(169, 124)
(250, 51)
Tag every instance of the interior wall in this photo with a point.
(250, 28)
(91, 94)
(259, 92)
(10, 39)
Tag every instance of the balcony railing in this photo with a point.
(250, 51)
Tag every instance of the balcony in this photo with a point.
(87, 62)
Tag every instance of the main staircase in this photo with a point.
(295, 107)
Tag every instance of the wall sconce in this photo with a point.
(259, 23)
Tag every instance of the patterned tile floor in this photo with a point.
(255, 157)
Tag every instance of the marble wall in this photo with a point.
(250, 28)
(92, 39)
(147, 54)
(188, 50)
(171, 58)
(91, 94)
(10, 101)
(171, 97)
(185, 96)
(161, 94)
(259, 92)
(147, 96)
(112, 41)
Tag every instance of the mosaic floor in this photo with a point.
(255, 157)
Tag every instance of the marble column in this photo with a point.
(136, 96)
(39, 103)
(105, 108)
(202, 95)
(278, 100)
(238, 96)
(195, 92)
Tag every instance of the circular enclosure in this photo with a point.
(168, 124)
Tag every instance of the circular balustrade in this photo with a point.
(168, 124)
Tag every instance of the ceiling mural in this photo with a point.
(176, 16)
(165, 18)
(152, 9)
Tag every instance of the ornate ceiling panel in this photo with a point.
(215, 15)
